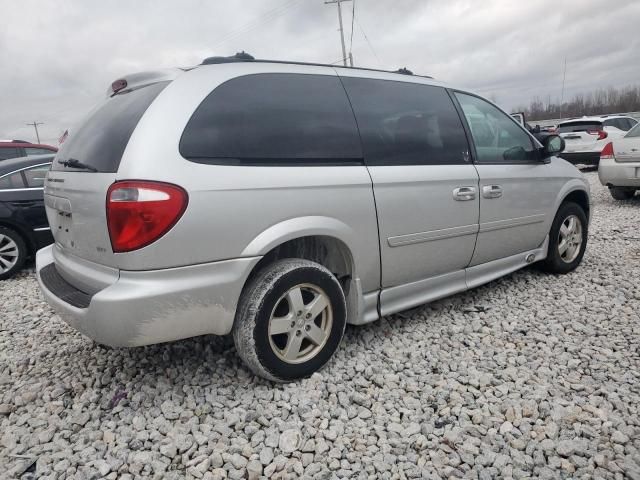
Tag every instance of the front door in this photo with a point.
(425, 187)
(517, 190)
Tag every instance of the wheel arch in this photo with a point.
(579, 196)
(323, 240)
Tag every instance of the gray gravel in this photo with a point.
(530, 376)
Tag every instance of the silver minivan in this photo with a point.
(279, 201)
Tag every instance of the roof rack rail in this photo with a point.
(245, 57)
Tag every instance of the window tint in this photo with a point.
(496, 136)
(35, 176)
(634, 132)
(627, 124)
(406, 123)
(273, 117)
(9, 152)
(13, 180)
(101, 139)
(579, 126)
(37, 151)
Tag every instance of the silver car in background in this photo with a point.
(278, 201)
(619, 167)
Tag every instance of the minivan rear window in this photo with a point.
(100, 141)
(272, 119)
(579, 126)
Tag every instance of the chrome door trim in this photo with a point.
(511, 222)
(431, 235)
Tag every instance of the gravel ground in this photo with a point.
(530, 376)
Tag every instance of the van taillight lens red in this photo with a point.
(140, 212)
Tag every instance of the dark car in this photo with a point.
(21, 148)
(23, 221)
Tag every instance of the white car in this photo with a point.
(619, 167)
(585, 137)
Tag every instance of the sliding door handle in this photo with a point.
(463, 194)
(492, 191)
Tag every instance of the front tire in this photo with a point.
(13, 252)
(567, 239)
(622, 193)
(290, 320)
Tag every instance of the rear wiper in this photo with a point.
(74, 163)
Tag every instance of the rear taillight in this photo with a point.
(601, 134)
(140, 212)
(607, 152)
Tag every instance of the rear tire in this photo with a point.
(622, 193)
(13, 252)
(290, 320)
(567, 239)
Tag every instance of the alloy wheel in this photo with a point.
(300, 323)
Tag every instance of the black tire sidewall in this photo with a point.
(22, 251)
(269, 360)
(622, 193)
(554, 261)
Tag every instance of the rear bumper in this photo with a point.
(147, 307)
(581, 158)
(619, 174)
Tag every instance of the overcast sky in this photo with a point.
(57, 58)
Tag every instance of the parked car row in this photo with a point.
(619, 167)
(586, 137)
(23, 222)
(21, 148)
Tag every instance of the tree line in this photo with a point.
(598, 102)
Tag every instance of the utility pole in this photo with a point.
(344, 50)
(35, 125)
(564, 76)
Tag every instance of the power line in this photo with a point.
(35, 125)
(344, 50)
(369, 43)
(256, 22)
(353, 17)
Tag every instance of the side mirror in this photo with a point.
(552, 145)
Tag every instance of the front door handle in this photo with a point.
(492, 191)
(463, 194)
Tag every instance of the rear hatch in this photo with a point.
(581, 135)
(87, 164)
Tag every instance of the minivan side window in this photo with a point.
(497, 137)
(404, 123)
(273, 118)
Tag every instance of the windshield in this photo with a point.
(98, 145)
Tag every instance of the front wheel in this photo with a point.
(290, 320)
(567, 239)
(622, 193)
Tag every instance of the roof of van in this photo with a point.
(242, 56)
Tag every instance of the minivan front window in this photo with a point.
(497, 137)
